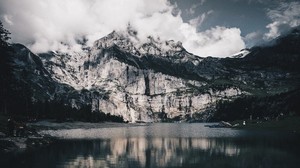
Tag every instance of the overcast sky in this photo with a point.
(205, 27)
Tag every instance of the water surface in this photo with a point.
(163, 145)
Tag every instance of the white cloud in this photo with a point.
(254, 38)
(284, 17)
(50, 24)
(218, 41)
(7, 19)
(200, 19)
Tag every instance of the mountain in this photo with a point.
(154, 80)
(282, 52)
(141, 81)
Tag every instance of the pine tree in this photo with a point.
(5, 68)
(4, 34)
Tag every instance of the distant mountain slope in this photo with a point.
(283, 52)
(264, 108)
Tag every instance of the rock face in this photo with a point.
(151, 80)
(137, 87)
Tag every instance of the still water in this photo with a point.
(163, 145)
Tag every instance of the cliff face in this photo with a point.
(130, 86)
(143, 94)
(147, 81)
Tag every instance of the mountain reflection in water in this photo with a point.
(150, 147)
(141, 152)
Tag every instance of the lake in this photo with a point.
(162, 145)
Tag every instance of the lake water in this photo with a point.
(163, 145)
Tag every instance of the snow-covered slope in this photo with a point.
(243, 53)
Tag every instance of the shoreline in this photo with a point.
(288, 124)
(32, 139)
(51, 125)
(20, 144)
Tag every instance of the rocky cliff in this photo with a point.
(149, 80)
(137, 88)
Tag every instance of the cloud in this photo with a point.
(60, 24)
(192, 9)
(284, 17)
(254, 38)
(218, 41)
(267, 2)
(200, 19)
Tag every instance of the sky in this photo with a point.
(218, 28)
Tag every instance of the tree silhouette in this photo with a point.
(4, 34)
(5, 69)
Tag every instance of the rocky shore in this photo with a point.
(30, 139)
(33, 138)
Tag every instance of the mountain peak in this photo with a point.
(130, 42)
